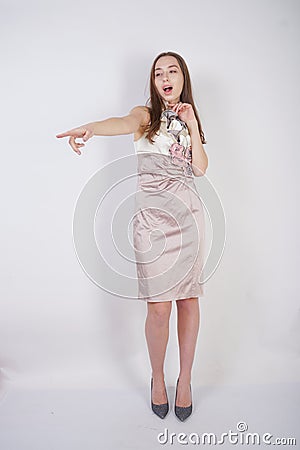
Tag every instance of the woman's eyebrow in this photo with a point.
(172, 65)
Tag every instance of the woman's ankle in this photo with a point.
(184, 378)
(158, 377)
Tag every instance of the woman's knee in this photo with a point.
(187, 303)
(159, 311)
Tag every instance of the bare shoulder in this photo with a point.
(143, 113)
(144, 118)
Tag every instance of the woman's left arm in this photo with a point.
(199, 157)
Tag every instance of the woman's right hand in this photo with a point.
(85, 132)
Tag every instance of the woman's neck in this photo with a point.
(166, 104)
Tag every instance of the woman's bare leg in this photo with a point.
(188, 320)
(157, 335)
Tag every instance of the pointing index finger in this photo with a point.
(73, 132)
(66, 133)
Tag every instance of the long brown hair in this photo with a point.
(156, 103)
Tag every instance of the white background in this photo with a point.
(64, 64)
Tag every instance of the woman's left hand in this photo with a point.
(184, 111)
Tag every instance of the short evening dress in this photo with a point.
(168, 222)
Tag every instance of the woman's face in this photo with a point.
(167, 72)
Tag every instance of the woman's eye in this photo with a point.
(158, 74)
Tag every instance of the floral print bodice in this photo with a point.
(180, 150)
(172, 139)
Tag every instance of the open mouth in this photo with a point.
(168, 89)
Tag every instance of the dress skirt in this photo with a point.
(168, 231)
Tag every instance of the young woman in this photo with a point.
(168, 140)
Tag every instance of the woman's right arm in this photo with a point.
(112, 126)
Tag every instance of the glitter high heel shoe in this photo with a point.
(161, 410)
(183, 412)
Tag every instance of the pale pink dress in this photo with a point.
(168, 226)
